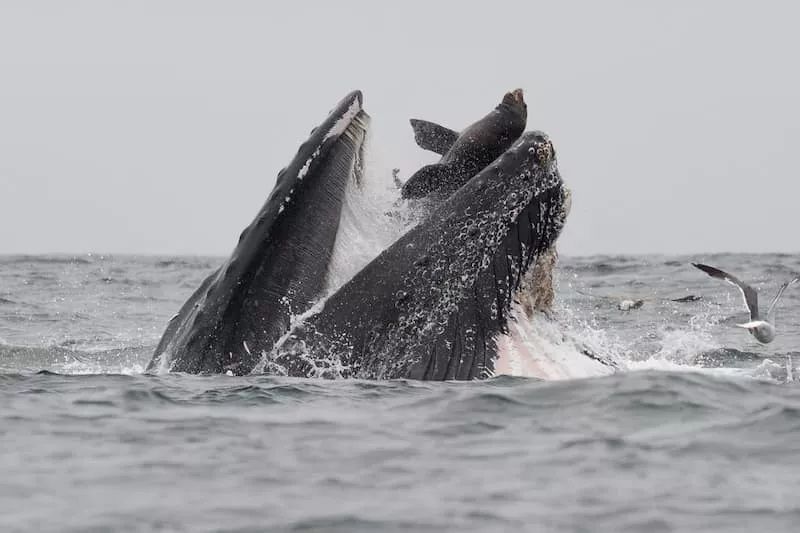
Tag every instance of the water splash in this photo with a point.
(369, 223)
(547, 349)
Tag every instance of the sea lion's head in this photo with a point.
(515, 101)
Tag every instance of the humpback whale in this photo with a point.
(278, 267)
(436, 304)
(467, 153)
(432, 305)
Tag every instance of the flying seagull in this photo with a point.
(762, 329)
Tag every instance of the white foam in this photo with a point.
(683, 346)
(767, 369)
(82, 367)
(294, 321)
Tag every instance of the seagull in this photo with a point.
(762, 329)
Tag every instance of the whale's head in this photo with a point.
(481, 244)
(433, 304)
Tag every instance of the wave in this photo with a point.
(181, 263)
(47, 259)
(452, 402)
(62, 360)
(601, 264)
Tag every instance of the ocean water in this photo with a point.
(698, 430)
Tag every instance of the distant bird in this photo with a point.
(762, 329)
(627, 304)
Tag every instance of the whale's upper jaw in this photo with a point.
(278, 266)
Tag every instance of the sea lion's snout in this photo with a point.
(514, 97)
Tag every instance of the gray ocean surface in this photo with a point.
(698, 431)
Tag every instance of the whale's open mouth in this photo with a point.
(433, 305)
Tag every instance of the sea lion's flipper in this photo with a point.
(428, 179)
(433, 137)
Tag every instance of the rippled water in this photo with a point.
(699, 431)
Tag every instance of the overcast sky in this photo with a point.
(159, 127)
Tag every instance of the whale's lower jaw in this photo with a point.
(278, 268)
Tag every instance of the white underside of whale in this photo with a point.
(538, 347)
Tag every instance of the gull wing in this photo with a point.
(771, 310)
(749, 293)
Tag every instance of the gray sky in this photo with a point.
(159, 127)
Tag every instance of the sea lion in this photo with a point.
(467, 153)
